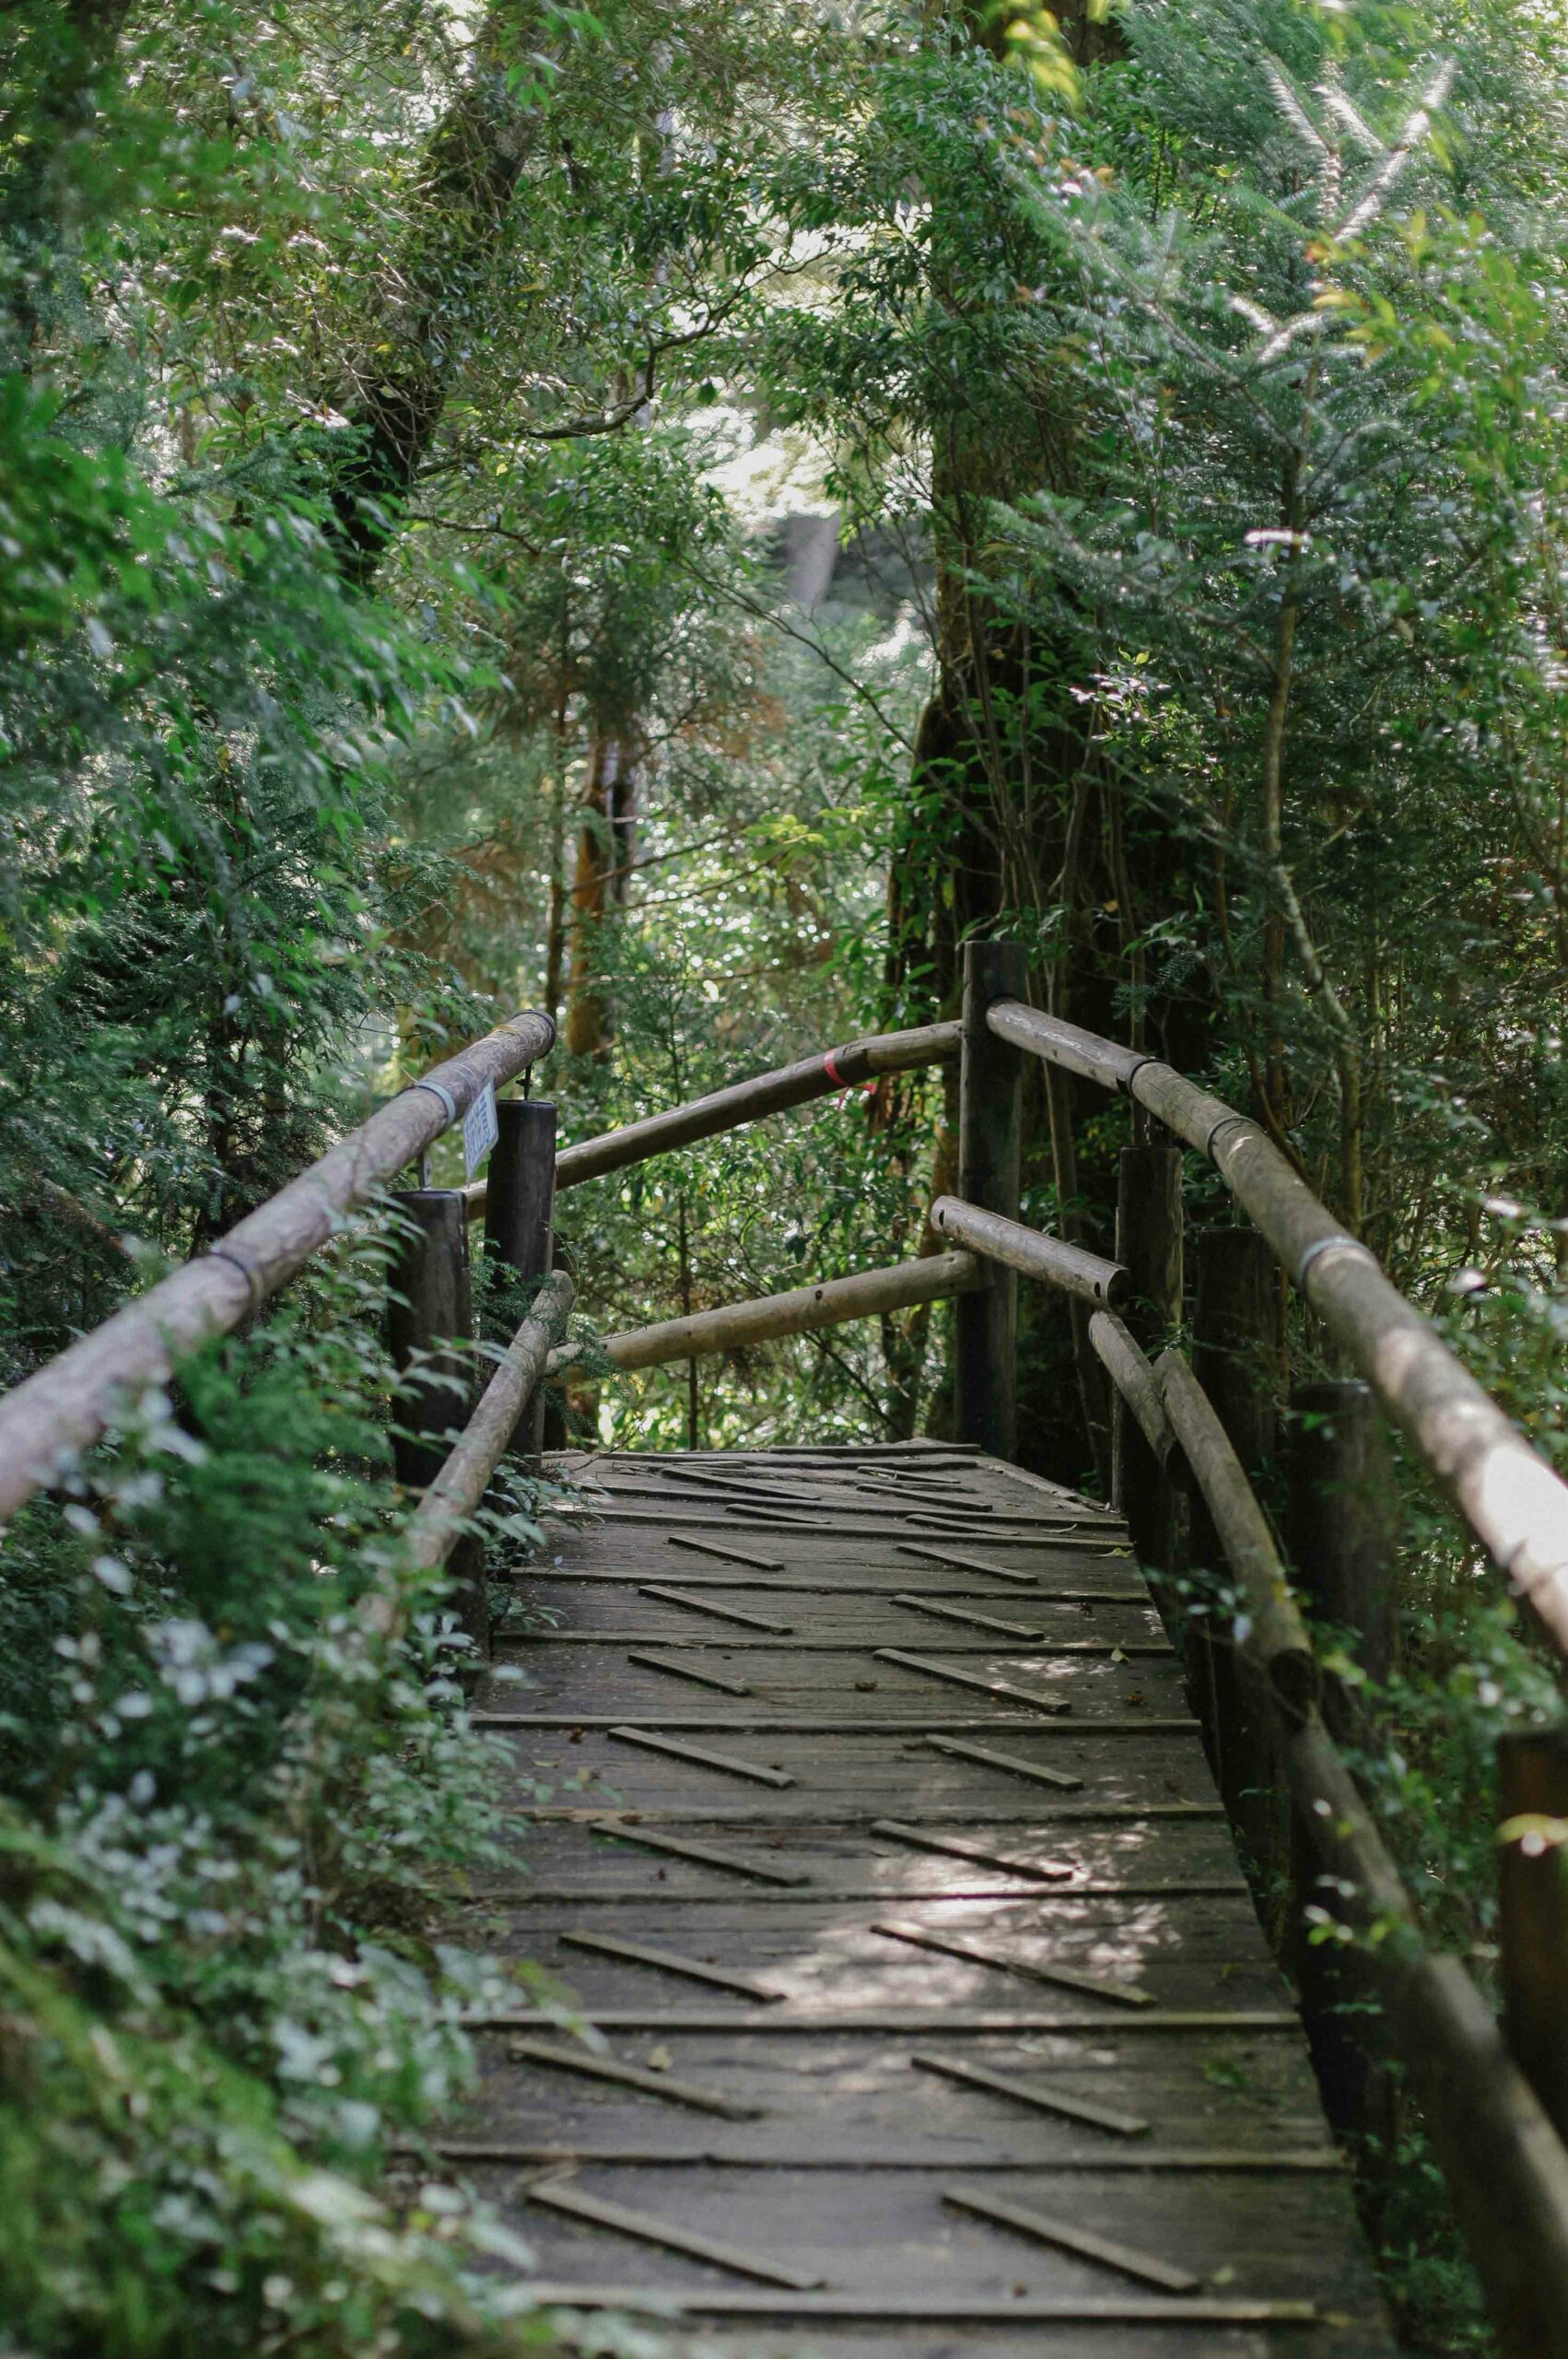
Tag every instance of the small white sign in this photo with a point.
(480, 1128)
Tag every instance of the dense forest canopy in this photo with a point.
(683, 516)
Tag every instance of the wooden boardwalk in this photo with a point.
(877, 1842)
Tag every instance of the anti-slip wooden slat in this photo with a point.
(987, 1757)
(652, 1742)
(1032, 1969)
(729, 1555)
(690, 1969)
(990, 2041)
(1040, 2093)
(578, 2204)
(665, 2086)
(1145, 2267)
(699, 1674)
(706, 1854)
(718, 1612)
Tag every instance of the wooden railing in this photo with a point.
(68, 1405)
(1185, 1440)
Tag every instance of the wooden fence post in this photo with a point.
(1237, 1353)
(989, 1144)
(1341, 1541)
(1149, 1243)
(1532, 1782)
(520, 1202)
(1340, 1521)
(1238, 1339)
(430, 1321)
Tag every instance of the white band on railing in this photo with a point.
(239, 1261)
(439, 1089)
(1323, 1245)
(1225, 1124)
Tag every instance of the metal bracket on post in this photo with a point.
(520, 1202)
(989, 1144)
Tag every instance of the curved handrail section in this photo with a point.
(1513, 1502)
(746, 1102)
(66, 1404)
(1493, 2133)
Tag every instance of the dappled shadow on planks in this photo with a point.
(929, 2007)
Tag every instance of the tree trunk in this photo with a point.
(607, 819)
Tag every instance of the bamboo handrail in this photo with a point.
(1499, 2149)
(745, 1101)
(1130, 1371)
(66, 1404)
(1276, 1638)
(770, 1317)
(1067, 1267)
(1500, 2153)
(459, 1485)
(1513, 1501)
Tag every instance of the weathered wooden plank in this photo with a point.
(818, 1724)
(1120, 2162)
(666, 2085)
(707, 1855)
(729, 1556)
(1140, 1914)
(941, 1611)
(1088, 2024)
(647, 2229)
(1145, 2267)
(1074, 2309)
(718, 1612)
(1036, 1642)
(653, 1742)
(860, 1588)
(962, 1562)
(945, 2309)
(1033, 2093)
(693, 1970)
(703, 1605)
(976, 1953)
(1032, 1532)
(969, 1679)
(845, 1817)
(987, 1757)
(693, 1672)
(962, 1846)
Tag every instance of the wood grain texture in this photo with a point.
(1040, 1906)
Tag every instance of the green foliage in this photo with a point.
(410, 428)
(229, 1804)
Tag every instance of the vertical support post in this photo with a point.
(1340, 1519)
(520, 1205)
(1238, 1339)
(431, 1311)
(429, 1322)
(990, 1146)
(1532, 1782)
(1238, 1357)
(1339, 1537)
(1149, 1244)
